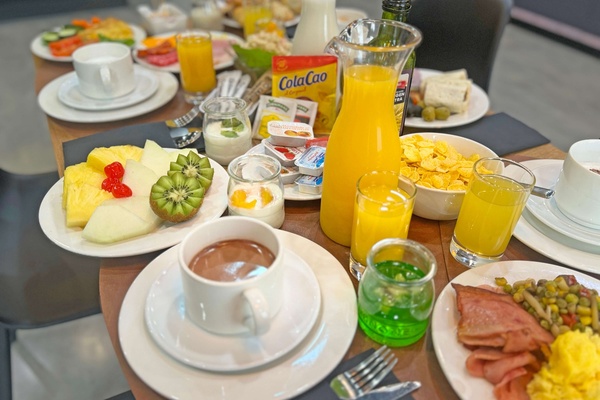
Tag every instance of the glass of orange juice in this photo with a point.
(382, 209)
(492, 206)
(198, 77)
(254, 11)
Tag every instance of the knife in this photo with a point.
(391, 392)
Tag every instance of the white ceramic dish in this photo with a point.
(293, 374)
(442, 205)
(290, 190)
(38, 48)
(173, 331)
(547, 211)
(146, 84)
(346, 15)
(220, 63)
(52, 221)
(450, 353)
(51, 105)
(479, 105)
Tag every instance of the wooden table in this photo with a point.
(416, 362)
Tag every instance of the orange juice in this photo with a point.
(364, 138)
(254, 13)
(489, 213)
(196, 62)
(381, 212)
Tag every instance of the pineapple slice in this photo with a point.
(79, 174)
(82, 200)
(102, 156)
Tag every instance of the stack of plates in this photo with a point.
(544, 228)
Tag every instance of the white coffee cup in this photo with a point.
(232, 307)
(104, 70)
(577, 191)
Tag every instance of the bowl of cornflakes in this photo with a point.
(441, 166)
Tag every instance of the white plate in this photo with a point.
(51, 105)
(301, 369)
(146, 84)
(450, 353)
(173, 331)
(347, 15)
(38, 48)
(479, 105)
(547, 211)
(52, 220)
(290, 191)
(220, 63)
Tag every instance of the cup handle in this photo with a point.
(105, 76)
(258, 321)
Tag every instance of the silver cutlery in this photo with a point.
(365, 376)
(184, 119)
(391, 392)
(183, 137)
(542, 192)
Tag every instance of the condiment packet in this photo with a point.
(310, 184)
(289, 174)
(306, 111)
(272, 109)
(289, 133)
(286, 155)
(312, 161)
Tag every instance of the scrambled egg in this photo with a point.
(572, 371)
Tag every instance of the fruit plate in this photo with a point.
(52, 220)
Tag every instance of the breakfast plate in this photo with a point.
(173, 331)
(232, 23)
(450, 353)
(293, 374)
(38, 48)
(223, 54)
(146, 84)
(51, 105)
(547, 211)
(290, 190)
(52, 221)
(479, 105)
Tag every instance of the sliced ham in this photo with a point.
(480, 356)
(495, 371)
(514, 385)
(162, 60)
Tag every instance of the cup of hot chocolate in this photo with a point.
(232, 272)
(577, 191)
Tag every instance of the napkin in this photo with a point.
(323, 392)
(501, 133)
(76, 151)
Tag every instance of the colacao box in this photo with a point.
(292, 134)
(286, 155)
(312, 161)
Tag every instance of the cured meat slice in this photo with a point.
(514, 385)
(495, 371)
(494, 320)
(162, 60)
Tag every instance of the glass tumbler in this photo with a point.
(226, 129)
(197, 71)
(396, 293)
(255, 189)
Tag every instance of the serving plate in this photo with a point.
(451, 354)
(38, 48)
(479, 105)
(52, 220)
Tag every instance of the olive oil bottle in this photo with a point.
(398, 10)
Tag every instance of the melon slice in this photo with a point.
(156, 158)
(139, 178)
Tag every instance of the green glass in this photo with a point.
(396, 293)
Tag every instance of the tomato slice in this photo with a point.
(65, 47)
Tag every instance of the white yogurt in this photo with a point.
(222, 148)
(272, 213)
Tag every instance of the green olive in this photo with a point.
(428, 114)
(442, 113)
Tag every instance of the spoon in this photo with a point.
(542, 192)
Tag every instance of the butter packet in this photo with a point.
(312, 78)
(272, 109)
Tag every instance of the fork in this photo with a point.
(185, 119)
(365, 376)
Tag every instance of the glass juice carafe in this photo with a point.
(365, 135)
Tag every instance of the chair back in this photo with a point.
(460, 34)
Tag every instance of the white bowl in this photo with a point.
(440, 204)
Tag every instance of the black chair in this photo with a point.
(40, 283)
(460, 34)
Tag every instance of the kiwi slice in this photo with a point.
(194, 166)
(176, 197)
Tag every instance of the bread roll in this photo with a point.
(454, 94)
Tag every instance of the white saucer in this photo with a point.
(176, 334)
(52, 106)
(293, 374)
(547, 211)
(146, 84)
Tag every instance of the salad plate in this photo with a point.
(450, 353)
(146, 84)
(52, 221)
(176, 334)
(223, 54)
(479, 105)
(546, 174)
(51, 105)
(291, 375)
(39, 49)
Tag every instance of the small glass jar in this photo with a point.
(227, 129)
(255, 189)
(206, 15)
